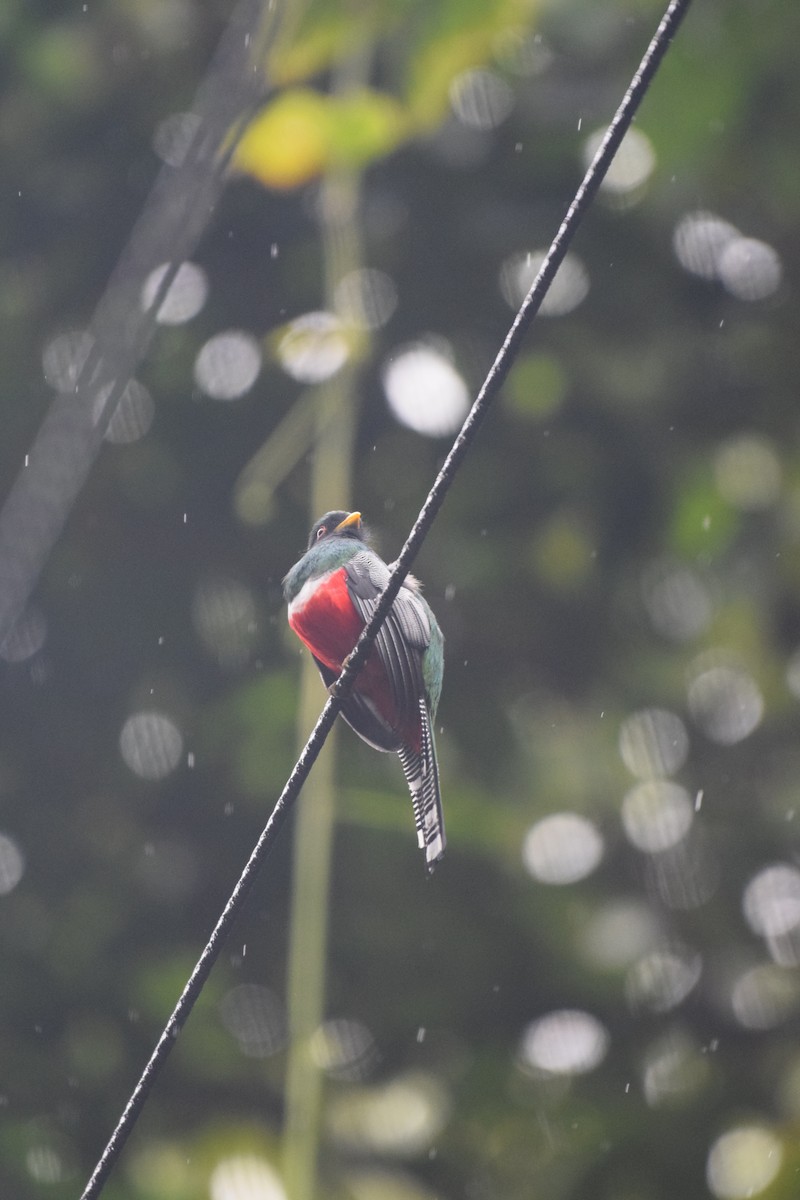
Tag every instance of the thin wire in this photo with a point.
(487, 394)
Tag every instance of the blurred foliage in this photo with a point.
(603, 1005)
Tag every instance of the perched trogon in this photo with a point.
(332, 592)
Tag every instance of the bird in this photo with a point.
(331, 594)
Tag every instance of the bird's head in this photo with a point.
(337, 524)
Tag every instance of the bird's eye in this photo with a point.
(321, 532)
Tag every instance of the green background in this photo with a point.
(624, 539)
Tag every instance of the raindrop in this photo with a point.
(228, 365)
(743, 1162)
(569, 287)
(562, 848)
(424, 390)
(151, 745)
(185, 297)
(565, 1042)
(313, 347)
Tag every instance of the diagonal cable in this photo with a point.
(494, 380)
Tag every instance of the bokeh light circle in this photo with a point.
(132, 416)
(662, 979)
(228, 365)
(151, 745)
(764, 996)
(570, 284)
(481, 98)
(771, 900)
(677, 601)
(64, 357)
(699, 241)
(366, 298)
(424, 390)
(743, 1162)
(562, 848)
(750, 269)
(185, 297)
(675, 1070)
(618, 933)
(399, 1118)
(656, 814)
(225, 618)
(653, 743)
(565, 1042)
(632, 165)
(254, 1016)
(12, 864)
(245, 1177)
(313, 347)
(747, 472)
(344, 1048)
(726, 703)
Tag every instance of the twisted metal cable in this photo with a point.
(494, 380)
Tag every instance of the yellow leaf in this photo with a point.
(288, 143)
(303, 133)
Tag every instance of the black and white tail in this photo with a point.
(422, 775)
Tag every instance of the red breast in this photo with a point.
(323, 617)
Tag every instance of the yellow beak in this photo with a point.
(353, 518)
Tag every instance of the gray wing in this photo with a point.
(400, 643)
(404, 636)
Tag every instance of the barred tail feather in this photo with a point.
(422, 775)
